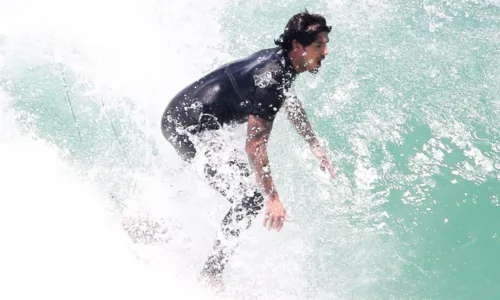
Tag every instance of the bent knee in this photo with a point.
(253, 204)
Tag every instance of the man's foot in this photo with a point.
(213, 282)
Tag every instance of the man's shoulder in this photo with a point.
(269, 64)
(269, 57)
(272, 57)
(269, 53)
(274, 62)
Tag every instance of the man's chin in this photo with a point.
(314, 71)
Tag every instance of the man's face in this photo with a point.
(313, 54)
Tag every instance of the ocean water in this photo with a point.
(95, 204)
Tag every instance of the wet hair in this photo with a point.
(302, 27)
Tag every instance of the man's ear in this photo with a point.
(296, 46)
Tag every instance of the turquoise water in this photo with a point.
(407, 103)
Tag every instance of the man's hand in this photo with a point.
(275, 214)
(297, 115)
(321, 155)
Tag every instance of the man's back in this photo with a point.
(251, 85)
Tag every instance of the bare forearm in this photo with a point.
(297, 115)
(258, 132)
(301, 123)
(259, 159)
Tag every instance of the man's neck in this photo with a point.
(295, 58)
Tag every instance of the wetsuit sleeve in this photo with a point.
(268, 97)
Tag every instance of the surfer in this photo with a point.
(250, 90)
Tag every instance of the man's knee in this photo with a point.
(181, 143)
(253, 204)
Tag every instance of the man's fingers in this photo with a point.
(282, 219)
(325, 165)
(282, 222)
(270, 225)
(332, 170)
(275, 220)
(277, 223)
(266, 219)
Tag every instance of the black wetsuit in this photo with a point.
(255, 85)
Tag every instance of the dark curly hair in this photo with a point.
(302, 27)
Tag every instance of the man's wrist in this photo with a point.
(314, 143)
(273, 197)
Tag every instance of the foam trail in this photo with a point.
(59, 240)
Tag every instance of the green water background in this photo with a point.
(417, 84)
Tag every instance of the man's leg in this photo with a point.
(246, 206)
(246, 199)
(184, 147)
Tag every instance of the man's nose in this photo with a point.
(325, 52)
